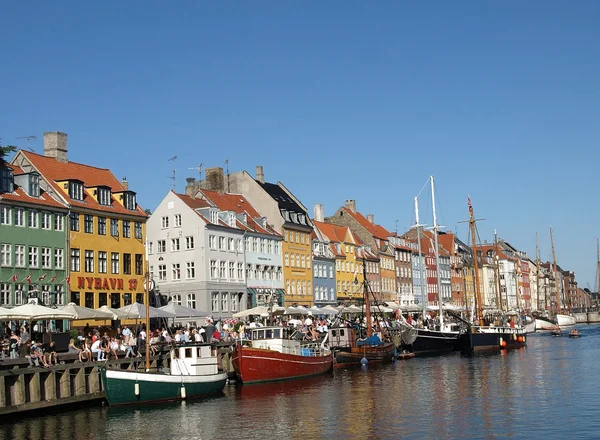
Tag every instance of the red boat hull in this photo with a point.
(254, 365)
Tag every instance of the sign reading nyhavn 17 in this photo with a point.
(105, 283)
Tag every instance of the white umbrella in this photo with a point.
(259, 311)
(116, 313)
(183, 312)
(329, 310)
(138, 311)
(392, 305)
(34, 312)
(85, 313)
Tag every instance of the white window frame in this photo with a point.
(46, 257)
(5, 254)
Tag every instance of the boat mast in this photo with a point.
(366, 297)
(475, 264)
(421, 269)
(497, 273)
(597, 265)
(558, 293)
(537, 271)
(147, 301)
(437, 253)
(517, 292)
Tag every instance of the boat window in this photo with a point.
(342, 332)
(188, 352)
(260, 334)
(269, 334)
(199, 352)
(333, 333)
(277, 333)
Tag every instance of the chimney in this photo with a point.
(125, 183)
(260, 174)
(351, 205)
(371, 218)
(215, 180)
(55, 145)
(319, 213)
(190, 180)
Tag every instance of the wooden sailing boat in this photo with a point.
(563, 320)
(482, 337)
(193, 371)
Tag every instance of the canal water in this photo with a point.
(548, 390)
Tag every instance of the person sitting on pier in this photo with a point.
(51, 356)
(14, 341)
(113, 347)
(36, 355)
(96, 348)
(74, 350)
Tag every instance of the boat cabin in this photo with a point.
(274, 338)
(194, 360)
(341, 337)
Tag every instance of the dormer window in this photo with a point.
(232, 219)
(214, 216)
(34, 185)
(6, 180)
(104, 196)
(76, 190)
(129, 201)
(302, 219)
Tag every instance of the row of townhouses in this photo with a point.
(74, 233)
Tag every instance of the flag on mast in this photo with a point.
(28, 279)
(53, 278)
(15, 277)
(42, 278)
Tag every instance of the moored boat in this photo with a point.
(275, 353)
(565, 320)
(545, 324)
(349, 350)
(574, 333)
(193, 372)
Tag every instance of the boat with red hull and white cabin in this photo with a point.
(276, 353)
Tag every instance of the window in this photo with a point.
(231, 270)
(212, 242)
(4, 294)
(162, 272)
(74, 260)
(213, 269)
(277, 248)
(34, 256)
(165, 222)
(114, 262)
(126, 228)
(102, 261)
(214, 217)
(19, 217)
(177, 220)
(238, 245)
(234, 302)
(5, 254)
(174, 244)
(224, 302)
(89, 261)
(270, 246)
(19, 294)
(33, 219)
(176, 271)
(127, 264)
(191, 300)
(88, 224)
(46, 220)
(221, 243)
(127, 299)
(129, 200)
(6, 180)
(190, 270)
(215, 301)
(240, 271)
(102, 225)
(231, 244)
(59, 222)
(286, 258)
(255, 244)
(189, 242)
(104, 196)
(46, 258)
(222, 270)
(139, 264)
(59, 295)
(5, 213)
(76, 190)
(330, 271)
(114, 227)
(137, 230)
(162, 246)
(74, 221)
(263, 243)
(58, 258)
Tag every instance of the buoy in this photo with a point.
(182, 392)
(137, 389)
(364, 361)
(520, 338)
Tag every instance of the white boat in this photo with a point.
(529, 325)
(544, 324)
(565, 320)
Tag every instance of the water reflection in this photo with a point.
(545, 390)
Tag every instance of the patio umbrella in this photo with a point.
(183, 312)
(34, 312)
(85, 313)
(329, 310)
(138, 311)
(116, 313)
(259, 311)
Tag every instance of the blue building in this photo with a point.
(323, 270)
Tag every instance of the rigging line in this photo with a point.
(439, 204)
(426, 183)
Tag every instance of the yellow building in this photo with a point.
(348, 269)
(297, 273)
(106, 248)
(388, 275)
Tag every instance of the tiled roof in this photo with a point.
(193, 202)
(376, 231)
(19, 195)
(334, 233)
(55, 171)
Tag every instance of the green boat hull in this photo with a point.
(160, 387)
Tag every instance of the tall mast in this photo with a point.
(558, 293)
(475, 263)
(597, 265)
(437, 253)
(537, 271)
(147, 301)
(366, 296)
(420, 266)
(497, 273)
(517, 292)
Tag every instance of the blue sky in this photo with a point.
(338, 100)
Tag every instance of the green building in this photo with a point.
(33, 240)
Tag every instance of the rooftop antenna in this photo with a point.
(172, 159)
(173, 179)
(396, 221)
(199, 169)
(227, 170)
(28, 139)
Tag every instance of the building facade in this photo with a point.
(323, 264)
(106, 226)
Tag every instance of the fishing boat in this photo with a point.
(543, 323)
(193, 371)
(350, 350)
(481, 337)
(278, 353)
(565, 320)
